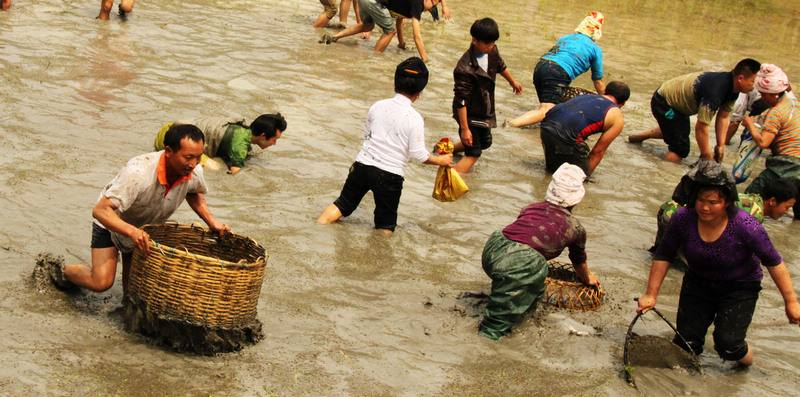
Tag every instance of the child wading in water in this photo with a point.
(473, 92)
(394, 134)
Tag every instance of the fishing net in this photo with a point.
(650, 349)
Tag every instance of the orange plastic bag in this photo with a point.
(448, 185)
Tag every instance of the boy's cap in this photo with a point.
(413, 67)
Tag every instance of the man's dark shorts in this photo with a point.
(481, 140)
(385, 186)
(551, 81)
(101, 238)
(674, 125)
(728, 304)
(557, 151)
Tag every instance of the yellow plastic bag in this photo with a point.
(448, 185)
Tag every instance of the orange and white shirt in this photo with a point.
(141, 194)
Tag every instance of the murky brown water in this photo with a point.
(345, 311)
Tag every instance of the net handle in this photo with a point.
(625, 349)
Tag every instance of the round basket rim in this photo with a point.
(576, 285)
(204, 258)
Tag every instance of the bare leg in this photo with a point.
(531, 117)
(458, 147)
(5, 5)
(355, 29)
(126, 6)
(105, 9)
(653, 133)
(384, 41)
(322, 20)
(100, 276)
(464, 165)
(344, 10)
(329, 215)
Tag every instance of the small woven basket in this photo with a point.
(194, 276)
(563, 290)
(573, 92)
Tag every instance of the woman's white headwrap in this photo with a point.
(566, 188)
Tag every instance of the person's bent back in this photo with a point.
(567, 126)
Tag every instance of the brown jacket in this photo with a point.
(474, 87)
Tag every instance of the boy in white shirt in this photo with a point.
(394, 133)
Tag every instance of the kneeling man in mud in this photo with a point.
(147, 190)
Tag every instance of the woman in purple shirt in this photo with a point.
(724, 249)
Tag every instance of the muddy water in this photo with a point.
(345, 311)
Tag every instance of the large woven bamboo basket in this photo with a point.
(194, 276)
(563, 290)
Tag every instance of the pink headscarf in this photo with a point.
(771, 79)
(592, 25)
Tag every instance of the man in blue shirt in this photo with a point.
(568, 125)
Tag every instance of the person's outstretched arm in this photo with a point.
(615, 123)
(418, 39)
(658, 270)
(446, 10)
(721, 131)
(760, 135)
(599, 86)
(441, 160)
(105, 211)
(701, 135)
(515, 85)
(585, 275)
(780, 275)
(198, 203)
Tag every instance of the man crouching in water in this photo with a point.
(147, 190)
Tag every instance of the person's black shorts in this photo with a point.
(728, 304)
(385, 186)
(481, 140)
(557, 151)
(674, 125)
(101, 238)
(551, 81)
